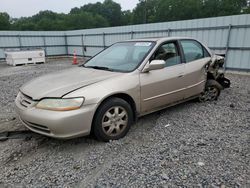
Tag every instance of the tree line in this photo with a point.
(109, 13)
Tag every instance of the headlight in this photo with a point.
(60, 104)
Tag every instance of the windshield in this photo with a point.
(123, 56)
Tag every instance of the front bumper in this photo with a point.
(57, 124)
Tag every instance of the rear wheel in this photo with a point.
(112, 120)
(211, 92)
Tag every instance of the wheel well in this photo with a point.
(129, 100)
(125, 97)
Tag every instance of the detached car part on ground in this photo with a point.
(127, 80)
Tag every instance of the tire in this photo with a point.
(212, 91)
(112, 120)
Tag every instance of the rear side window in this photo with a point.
(192, 50)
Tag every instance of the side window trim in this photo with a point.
(183, 59)
(205, 51)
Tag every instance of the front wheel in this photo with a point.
(112, 120)
(211, 92)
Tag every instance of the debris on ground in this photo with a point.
(206, 144)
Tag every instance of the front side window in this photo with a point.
(169, 53)
(192, 50)
(121, 57)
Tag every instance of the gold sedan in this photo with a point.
(107, 94)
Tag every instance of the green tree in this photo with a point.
(212, 8)
(85, 20)
(44, 20)
(232, 7)
(23, 24)
(109, 13)
(148, 11)
(127, 17)
(171, 10)
(112, 12)
(4, 21)
(108, 9)
(246, 10)
(145, 11)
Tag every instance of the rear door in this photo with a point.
(196, 58)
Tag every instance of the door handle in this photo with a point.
(180, 76)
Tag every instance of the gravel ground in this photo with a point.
(189, 145)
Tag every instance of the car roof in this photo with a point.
(157, 39)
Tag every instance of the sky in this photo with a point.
(19, 8)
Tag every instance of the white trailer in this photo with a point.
(20, 57)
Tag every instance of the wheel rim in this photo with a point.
(211, 93)
(114, 121)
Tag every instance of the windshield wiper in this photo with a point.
(100, 68)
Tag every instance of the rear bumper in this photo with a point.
(63, 125)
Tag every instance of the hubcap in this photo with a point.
(209, 94)
(114, 121)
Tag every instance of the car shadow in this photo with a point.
(152, 117)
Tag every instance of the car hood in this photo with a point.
(60, 83)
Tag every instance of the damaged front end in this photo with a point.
(215, 71)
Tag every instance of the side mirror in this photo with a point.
(154, 65)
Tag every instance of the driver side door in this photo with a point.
(164, 86)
